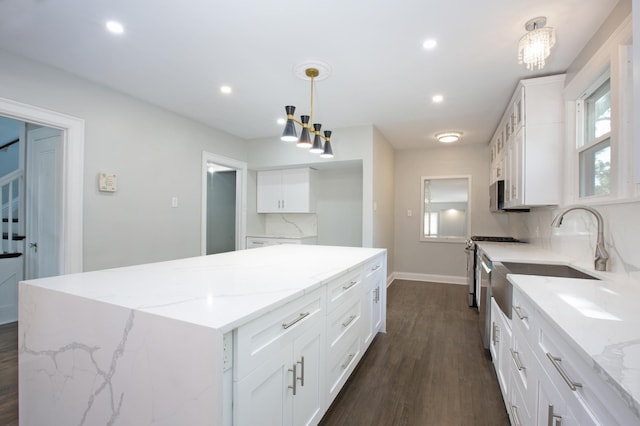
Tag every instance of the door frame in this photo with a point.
(241, 198)
(72, 175)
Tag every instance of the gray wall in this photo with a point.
(440, 260)
(221, 212)
(383, 208)
(155, 153)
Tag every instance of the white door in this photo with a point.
(44, 206)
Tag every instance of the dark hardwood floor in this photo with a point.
(9, 374)
(428, 369)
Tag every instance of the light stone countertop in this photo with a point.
(599, 318)
(220, 291)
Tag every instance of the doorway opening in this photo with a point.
(223, 204)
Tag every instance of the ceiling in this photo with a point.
(177, 55)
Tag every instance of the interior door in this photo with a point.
(44, 202)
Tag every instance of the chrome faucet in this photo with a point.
(601, 256)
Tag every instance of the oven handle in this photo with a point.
(486, 267)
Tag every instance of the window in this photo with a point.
(594, 142)
(445, 208)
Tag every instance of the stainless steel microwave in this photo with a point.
(496, 198)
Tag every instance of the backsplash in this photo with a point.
(576, 237)
(291, 224)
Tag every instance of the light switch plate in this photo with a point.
(107, 182)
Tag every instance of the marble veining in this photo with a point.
(291, 224)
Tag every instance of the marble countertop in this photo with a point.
(220, 291)
(290, 237)
(600, 318)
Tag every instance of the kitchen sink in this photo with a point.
(546, 270)
(502, 289)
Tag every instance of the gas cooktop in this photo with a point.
(494, 239)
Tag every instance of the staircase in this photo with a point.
(12, 212)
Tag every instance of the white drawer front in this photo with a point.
(341, 362)
(262, 338)
(372, 270)
(346, 287)
(342, 320)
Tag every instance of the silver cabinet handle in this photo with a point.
(375, 268)
(516, 358)
(348, 361)
(516, 417)
(496, 338)
(295, 383)
(301, 378)
(349, 321)
(377, 295)
(554, 420)
(519, 313)
(351, 284)
(299, 318)
(556, 363)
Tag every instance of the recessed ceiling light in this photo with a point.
(429, 43)
(437, 98)
(115, 27)
(448, 137)
(225, 89)
(281, 121)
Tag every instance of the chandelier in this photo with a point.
(304, 141)
(535, 46)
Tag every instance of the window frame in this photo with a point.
(445, 239)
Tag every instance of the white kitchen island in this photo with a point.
(269, 334)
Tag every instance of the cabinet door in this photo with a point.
(308, 355)
(265, 394)
(269, 191)
(517, 178)
(296, 191)
(552, 409)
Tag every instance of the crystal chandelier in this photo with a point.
(311, 71)
(535, 46)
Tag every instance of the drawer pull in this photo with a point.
(516, 358)
(519, 312)
(554, 419)
(496, 338)
(377, 296)
(375, 268)
(556, 363)
(515, 416)
(295, 383)
(348, 361)
(351, 284)
(349, 321)
(301, 378)
(302, 316)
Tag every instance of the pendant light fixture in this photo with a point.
(535, 46)
(311, 71)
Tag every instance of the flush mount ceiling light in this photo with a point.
(311, 71)
(535, 46)
(448, 137)
(115, 27)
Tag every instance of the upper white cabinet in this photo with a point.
(286, 191)
(526, 149)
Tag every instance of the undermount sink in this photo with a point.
(546, 270)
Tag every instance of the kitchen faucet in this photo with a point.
(601, 256)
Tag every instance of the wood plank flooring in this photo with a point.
(9, 374)
(428, 369)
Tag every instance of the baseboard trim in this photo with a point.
(412, 276)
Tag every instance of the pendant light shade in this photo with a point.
(317, 140)
(327, 151)
(305, 139)
(289, 134)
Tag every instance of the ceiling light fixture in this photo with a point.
(448, 137)
(535, 46)
(437, 98)
(226, 90)
(115, 27)
(312, 73)
(429, 44)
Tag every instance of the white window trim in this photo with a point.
(468, 216)
(614, 55)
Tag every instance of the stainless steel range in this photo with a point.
(472, 264)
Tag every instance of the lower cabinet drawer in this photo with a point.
(262, 338)
(342, 321)
(524, 370)
(346, 287)
(341, 361)
(520, 412)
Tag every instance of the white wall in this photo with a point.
(156, 155)
(383, 207)
(440, 261)
(339, 207)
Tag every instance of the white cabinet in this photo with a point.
(526, 149)
(286, 191)
(291, 363)
(499, 346)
